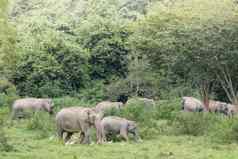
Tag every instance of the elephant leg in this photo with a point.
(60, 133)
(100, 135)
(123, 134)
(13, 115)
(68, 136)
(87, 139)
(104, 137)
(17, 114)
(82, 136)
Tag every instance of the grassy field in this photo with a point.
(29, 145)
(35, 138)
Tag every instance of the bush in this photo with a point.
(112, 112)
(93, 93)
(67, 101)
(145, 118)
(43, 123)
(137, 113)
(195, 124)
(8, 93)
(57, 70)
(144, 84)
(4, 144)
(167, 109)
(225, 131)
(5, 85)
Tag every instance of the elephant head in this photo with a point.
(94, 119)
(132, 128)
(93, 116)
(48, 105)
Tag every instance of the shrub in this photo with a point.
(4, 144)
(8, 93)
(5, 85)
(167, 109)
(137, 113)
(145, 118)
(93, 93)
(112, 112)
(59, 69)
(225, 131)
(67, 101)
(195, 124)
(43, 123)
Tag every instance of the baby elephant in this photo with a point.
(116, 125)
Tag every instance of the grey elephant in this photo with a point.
(218, 107)
(20, 106)
(191, 104)
(113, 125)
(104, 106)
(231, 109)
(78, 119)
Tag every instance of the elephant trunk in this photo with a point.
(99, 131)
(137, 137)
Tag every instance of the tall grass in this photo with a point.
(43, 123)
(4, 143)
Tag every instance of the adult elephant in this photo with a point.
(20, 106)
(218, 107)
(78, 119)
(191, 104)
(231, 110)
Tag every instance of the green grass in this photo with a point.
(27, 145)
(162, 139)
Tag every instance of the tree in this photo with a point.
(7, 42)
(181, 42)
(106, 42)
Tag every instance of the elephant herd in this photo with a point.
(191, 104)
(76, 119)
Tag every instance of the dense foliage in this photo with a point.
(115, 50)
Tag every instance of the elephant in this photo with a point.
(222, 107)
(117, 125)
(218, 107)
(78, 119)
(231, 109)
(191, 104)
(104, 106)
(32, 105)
